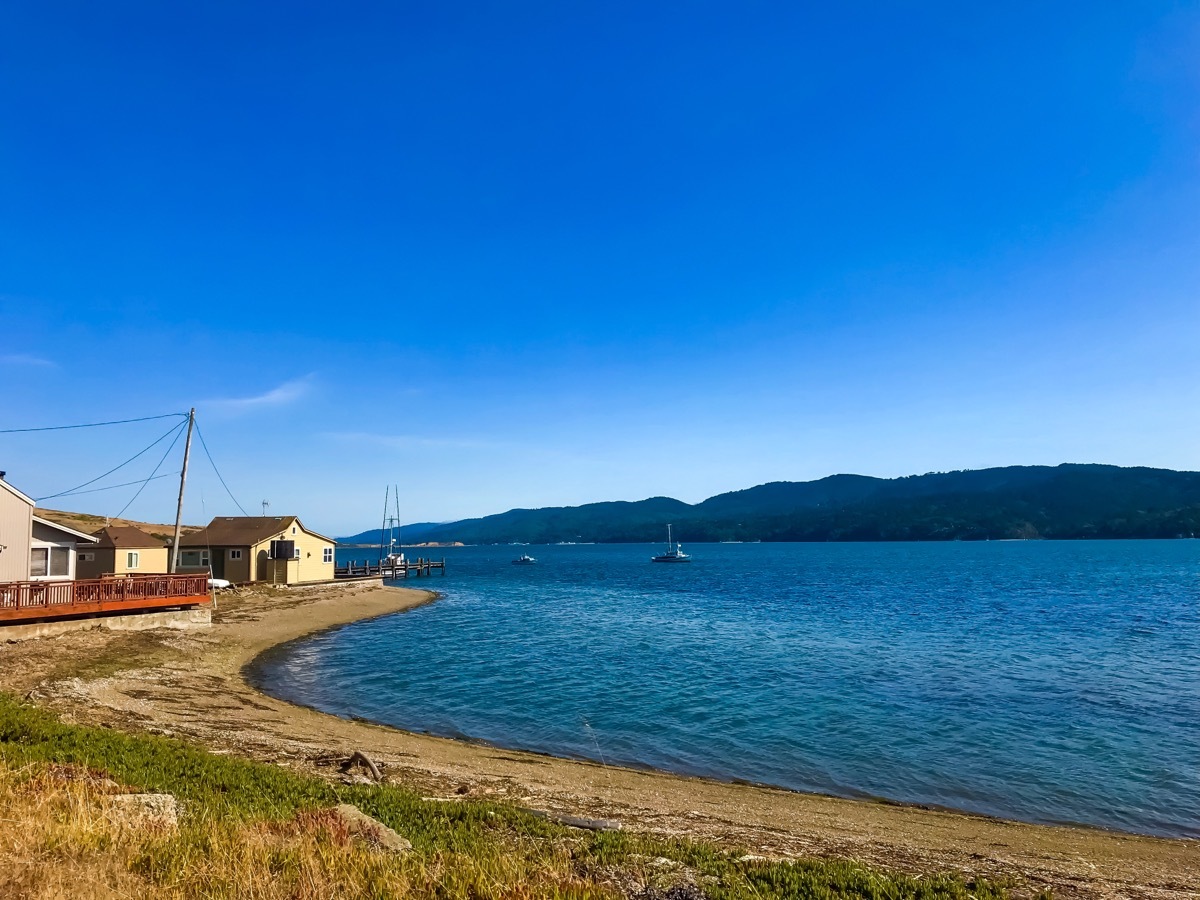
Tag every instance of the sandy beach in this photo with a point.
(192, 685)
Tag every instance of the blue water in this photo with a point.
(1043, 681)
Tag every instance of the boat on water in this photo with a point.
(394, 558)
(674, 552)
(524, 560)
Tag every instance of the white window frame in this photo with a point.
(50, 547)
(327, 555)
(235, 554)
(133, 559)
(295, 553)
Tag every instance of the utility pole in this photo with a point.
(187, 452)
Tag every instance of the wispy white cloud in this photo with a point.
(26, 359)
(284, 394)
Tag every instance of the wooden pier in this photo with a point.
(367, 569)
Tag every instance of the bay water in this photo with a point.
(1034, 680)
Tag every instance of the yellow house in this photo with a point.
(122, 550)
(272, 549)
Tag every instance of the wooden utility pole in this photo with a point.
(187, 452)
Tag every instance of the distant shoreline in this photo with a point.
(433, 544)
(923, 540)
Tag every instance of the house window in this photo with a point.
(39, 558)
(235, 554)
(296, 552)
(60, 561)
(132, 559)
(87, 557)
(327, 555)
(293, 529)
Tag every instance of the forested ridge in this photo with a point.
(1058, 502)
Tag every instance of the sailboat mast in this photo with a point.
(383, 524)
(399, 535)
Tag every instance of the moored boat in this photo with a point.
(674, 552)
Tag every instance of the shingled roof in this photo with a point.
(126, 537)
(242, 531)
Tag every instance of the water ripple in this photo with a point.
(1052, 682)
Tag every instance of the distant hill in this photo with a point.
(1066, 501)
(411, 534)
(89, 524)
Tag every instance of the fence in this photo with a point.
(27, 600)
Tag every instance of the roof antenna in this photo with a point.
(266, 505)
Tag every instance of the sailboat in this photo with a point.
(395, 553)
(674, 552)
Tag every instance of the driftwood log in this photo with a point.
(576, 821)
(360, 758)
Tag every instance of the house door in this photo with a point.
(218, 563)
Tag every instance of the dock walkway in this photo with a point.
(367, 569)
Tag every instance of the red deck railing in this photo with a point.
(26, 600)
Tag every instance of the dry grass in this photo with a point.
(88, 523)
(259, 831)
(58, 840)
(55, 840)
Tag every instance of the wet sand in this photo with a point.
(193, 685)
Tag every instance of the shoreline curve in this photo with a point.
(255, 683)
(197, 687)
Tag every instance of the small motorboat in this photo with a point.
(674, 552)
(524, 560)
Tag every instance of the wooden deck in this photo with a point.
(368, 569)
(27, 601)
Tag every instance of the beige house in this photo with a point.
(274, 549)
(122, 550)
(16, 532)
(33, 548)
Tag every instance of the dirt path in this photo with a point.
(190, 684)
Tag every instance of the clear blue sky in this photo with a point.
(526, 254)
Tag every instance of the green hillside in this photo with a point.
(1066, 501)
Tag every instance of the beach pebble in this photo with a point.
(360, 825)
(139, 810)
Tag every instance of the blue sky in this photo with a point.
(534, 253)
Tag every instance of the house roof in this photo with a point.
(65, 530)
(243, 531)
(120, 537)
(13, 490)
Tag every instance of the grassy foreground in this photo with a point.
(255, 830)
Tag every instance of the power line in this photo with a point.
(111, 487)
(178, 431)
(91, 424)
(173, 429)
(200, 434)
